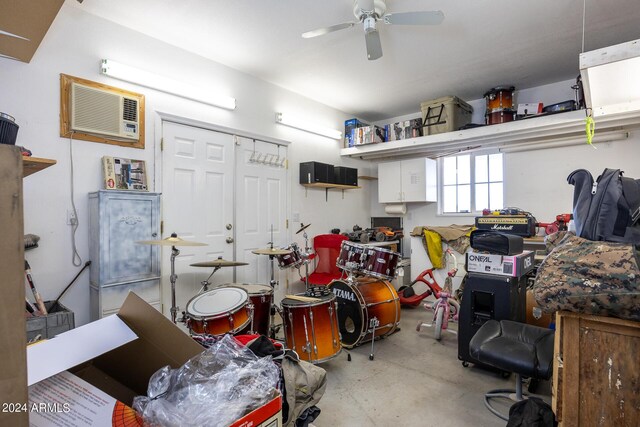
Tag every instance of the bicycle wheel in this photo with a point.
(439, 316)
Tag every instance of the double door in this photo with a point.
(228, 192)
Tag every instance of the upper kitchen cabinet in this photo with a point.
(411, 180)
(23, 25)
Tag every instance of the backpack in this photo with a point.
(607, 208)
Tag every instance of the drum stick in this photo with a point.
(303, 298)
(36, 294)
(30, 309)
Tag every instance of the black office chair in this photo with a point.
(510, 346)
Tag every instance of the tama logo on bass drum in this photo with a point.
(341, 293)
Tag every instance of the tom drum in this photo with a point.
(352, 257)
(381, 263)
(292, 259)
(311, 326)
(261, 297)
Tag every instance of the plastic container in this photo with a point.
(52, 324)
(8, 129)
(445, 114)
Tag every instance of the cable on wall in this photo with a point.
(75, 222)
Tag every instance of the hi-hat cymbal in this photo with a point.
(272, 251)
(171, 241)
(302, 227)
(218, 263)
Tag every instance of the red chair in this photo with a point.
(327, 249)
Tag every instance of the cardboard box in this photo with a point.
(504, 265)
(529, 109)
(124, 174)
(117, 355)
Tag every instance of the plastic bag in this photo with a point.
(214, 388)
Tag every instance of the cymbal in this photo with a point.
(272, 251)
(302, 227)
(218, 263)
(171, 241)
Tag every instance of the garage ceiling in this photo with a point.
(481, 44)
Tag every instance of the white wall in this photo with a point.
(75, 44)
(535, 181)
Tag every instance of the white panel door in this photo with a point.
(197, 204)
(261, 207)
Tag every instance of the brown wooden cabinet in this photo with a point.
(596, 377)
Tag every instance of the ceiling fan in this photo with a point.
(368, 12)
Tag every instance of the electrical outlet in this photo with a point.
(72, 219)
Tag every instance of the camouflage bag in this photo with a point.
(592, 277)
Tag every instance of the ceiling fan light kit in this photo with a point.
(369, 12)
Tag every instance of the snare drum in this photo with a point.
(499, 98)
(363, 304)
(381, 263)
(261, 296)
(500, 116)
(292, 259)
(218, 311)
(352, 257)
(311, 327)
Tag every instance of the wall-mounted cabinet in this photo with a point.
(411, 180)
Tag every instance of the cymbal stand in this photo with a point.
(306, 258)
(174, 309)
(206, 283)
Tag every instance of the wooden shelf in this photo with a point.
(368, 178)
(31, 165)
(328, 185)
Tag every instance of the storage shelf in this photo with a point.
(534, 130)
(328, 185)
(31, 165)
(368, 178)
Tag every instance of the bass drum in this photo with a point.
(367, 308)
(311, 327)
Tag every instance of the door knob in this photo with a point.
(229, 226)
(229, 239)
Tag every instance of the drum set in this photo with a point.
(359, 307)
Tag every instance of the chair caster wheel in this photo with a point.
(371, 357)
(348, 358)
(465, 364)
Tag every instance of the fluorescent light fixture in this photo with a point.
(566, 142)
(120, 71)
(305, 125)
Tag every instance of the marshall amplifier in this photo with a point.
(346, 176)
(520, 225)
(311, 172)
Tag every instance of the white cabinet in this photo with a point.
(413, 180)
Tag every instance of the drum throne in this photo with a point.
(327, 249)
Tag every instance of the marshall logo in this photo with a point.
(479, 258)
(341, 293)
(502, 220)
(502, 227)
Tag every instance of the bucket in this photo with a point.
(8, 129)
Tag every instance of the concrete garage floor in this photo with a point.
(413, 380)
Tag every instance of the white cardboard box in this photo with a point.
(504, 265)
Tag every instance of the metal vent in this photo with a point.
(130, 110)
(96, 109)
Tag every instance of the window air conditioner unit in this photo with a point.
(104, 112)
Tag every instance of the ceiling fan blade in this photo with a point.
(327, 30)
(434, 17)
(374, 48)
(366, 5)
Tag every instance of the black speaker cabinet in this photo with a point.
(488, 296)
(311, 172)
(346, 176)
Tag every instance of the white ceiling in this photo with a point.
(481, 44)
